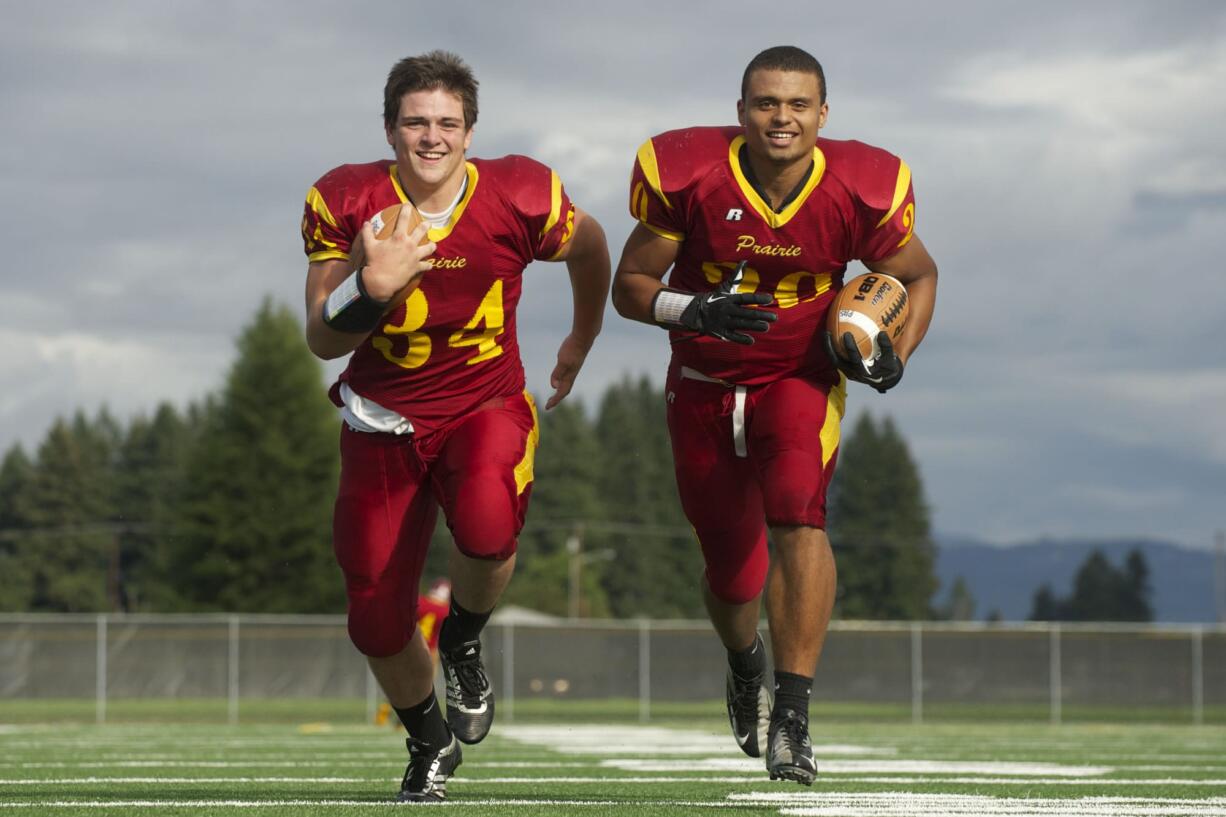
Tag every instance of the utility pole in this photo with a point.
(114, 586)
(574, 547)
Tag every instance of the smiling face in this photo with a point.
(430, 139)
(782, 112)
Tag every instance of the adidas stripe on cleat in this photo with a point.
(470, 699)
(425, 780)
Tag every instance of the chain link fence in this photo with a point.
(226, 666)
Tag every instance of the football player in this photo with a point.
(758, 223)
(432, 401)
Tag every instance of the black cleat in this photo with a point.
(749, 712)
(789, 755)
(425, 781)
(470, 699)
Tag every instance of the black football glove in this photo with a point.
(886, 371)
(721, 313)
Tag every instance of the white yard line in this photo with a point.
(590, 739)
(758, 777)
(97, 781)
(910, 804)
(213, 804)
(1026, 781)
(799, 804)
(841, 767)
(383, 757)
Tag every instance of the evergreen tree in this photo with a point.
(16, 567)
(1096, 594)
(1101, 592)
(565, 504)
(658, 565)
(1137, 588)
(71, 549)
(260, 482)
(879, 527)
(1045, 606)
(960, 605)
(151, 464)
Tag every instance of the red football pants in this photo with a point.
(479, 470)
(747, 457)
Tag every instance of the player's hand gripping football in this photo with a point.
(882, 375)
(393, 266)
(725, 314)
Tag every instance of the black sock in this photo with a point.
(461, 626)
(424, 721)
(751, 661)
(792, 692)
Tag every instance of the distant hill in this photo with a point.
(1005, 578)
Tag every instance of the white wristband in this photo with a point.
(668, 306)
(346, 293)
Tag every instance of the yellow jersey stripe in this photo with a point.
(400, 194)
(555, 203)
(567, 232)
(651, 171)
(316, 200)
(836, 405)
(523, 471)
(437, 235)
(900, 191)
(775, 220)
(326, 255)
(660, 231)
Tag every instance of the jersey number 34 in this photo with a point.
(489, 316)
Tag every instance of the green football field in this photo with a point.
(665, 768)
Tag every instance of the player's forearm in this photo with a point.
(645, 259)
(331, 286)
(589, 268)
(633, 293)
(922, 295)
(325, 342)
(914, 267)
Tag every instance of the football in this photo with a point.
(865, 306)
(383, 223)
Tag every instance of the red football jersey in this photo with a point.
(688, 186)
(430, 615)
(452, 345)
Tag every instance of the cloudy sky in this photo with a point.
(1069, 165)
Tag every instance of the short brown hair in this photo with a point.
(785, 58)
(437, 69)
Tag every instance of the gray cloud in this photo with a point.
(1067, 160)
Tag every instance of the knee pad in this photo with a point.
(735, 575)
(378, 626)
(486, 517)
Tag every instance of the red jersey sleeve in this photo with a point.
(885, 202)
(541, 202)
(325, 232)
(651, 202)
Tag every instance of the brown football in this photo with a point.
(866, 305)
(383, 223)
